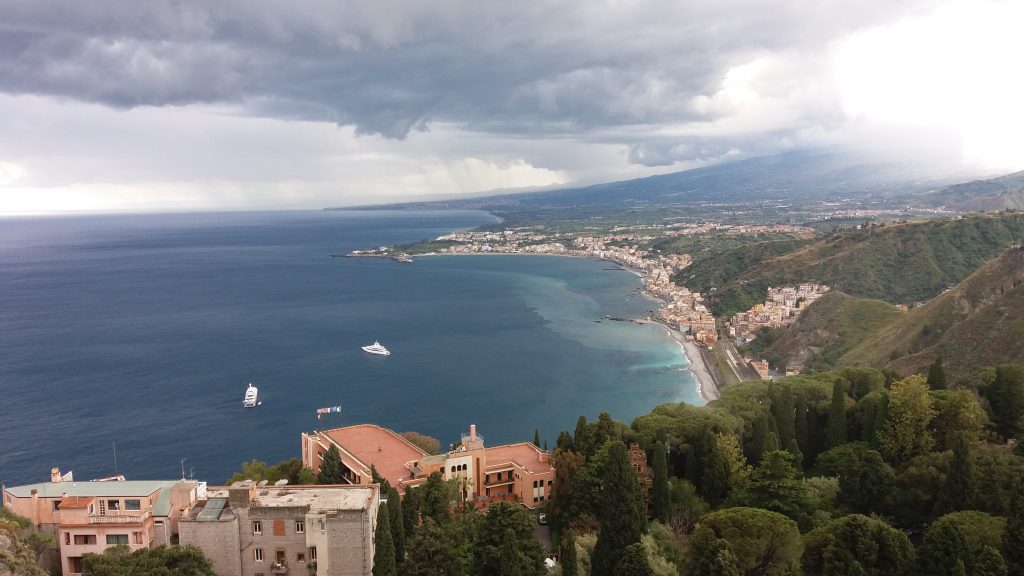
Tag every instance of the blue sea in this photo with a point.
(141, 332)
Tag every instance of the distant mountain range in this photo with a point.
(979, 195)
(798, 177)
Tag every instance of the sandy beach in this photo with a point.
(705, 382)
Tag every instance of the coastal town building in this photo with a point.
(88, 517)
(781, 307)
(251, 530)
(520, 473)
(761, 367)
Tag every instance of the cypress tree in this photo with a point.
(881, 417)
(836, 427)
(536, 437)
(936, 375)
(621, 511)
(605, 430)
(564, 441)
(961, 481)
(758, 438)
(396, 522)
(330, 468)
(1006, 397)
(798, 456)
(661, 504)
(384, 546)
(584, 437)
(568, 554)
(695, 457)
(411, 512)
(784, 411)
(771, 444)
(800, 424)
(511, 561)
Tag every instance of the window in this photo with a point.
(257, 554)
(257, 527)
(67, 537)
(81, 539)
(281, 557)
(56, 505)
(114, 539)
(549, 482)
(113, 505)
(312, 552)
(75, 564)
(300, 557)
(300, 526)
(134, 505)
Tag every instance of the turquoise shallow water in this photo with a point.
(145, 330)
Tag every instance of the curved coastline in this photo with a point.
(696, 360)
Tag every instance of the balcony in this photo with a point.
(279, 568)
(492, 483)
(138, 518)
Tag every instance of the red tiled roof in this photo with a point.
(525, 454)
(385, 450)
(74, 502)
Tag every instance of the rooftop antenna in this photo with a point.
(182, 468)
(114, 442)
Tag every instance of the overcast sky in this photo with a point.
(247, 104)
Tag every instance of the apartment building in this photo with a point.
(252, 530)
(88, 517)
(518, 473)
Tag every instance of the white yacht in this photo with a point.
(250, 400)
(377, 348)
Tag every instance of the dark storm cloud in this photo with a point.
(538, 68)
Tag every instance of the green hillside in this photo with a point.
(831, 327)
(713, 272)
(897, 263)
(1005, 192)
(979, 322)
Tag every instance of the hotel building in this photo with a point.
(513, 473)
(89, 517)
(252, 530)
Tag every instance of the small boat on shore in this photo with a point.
(377, 348)
(251, 398)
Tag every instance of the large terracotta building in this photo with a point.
(513, 473)
(89, 517)
(252, 530)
